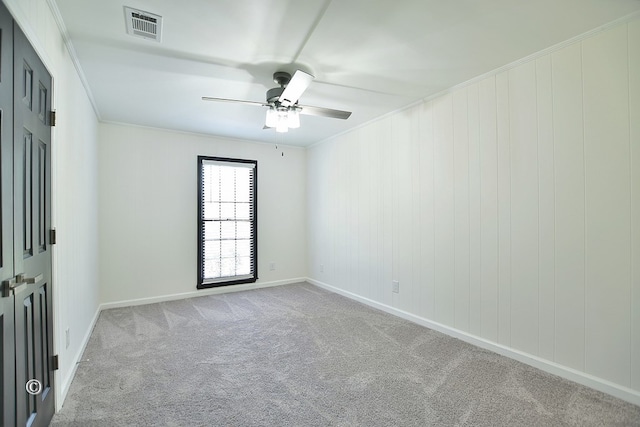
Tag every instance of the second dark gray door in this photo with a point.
(31, 224)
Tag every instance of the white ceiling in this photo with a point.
(370, 57)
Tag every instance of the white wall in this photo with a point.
(148, 210)
(74, 170)
(509, 209)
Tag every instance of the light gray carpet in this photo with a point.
(299, 355)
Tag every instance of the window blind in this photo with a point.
(227, 221)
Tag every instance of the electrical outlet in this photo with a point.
(395, 287)
(272, 266)
(67, 338)
(321, 268)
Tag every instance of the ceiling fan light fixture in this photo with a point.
(293, 119)
(282, 118)
(272, 118)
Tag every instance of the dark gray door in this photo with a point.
(7, 348)
(26, 315)
(31, 223)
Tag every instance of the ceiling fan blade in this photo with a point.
(296, 86)
(238, 101)
(324, 112)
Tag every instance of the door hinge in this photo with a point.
(52, 236)
(55, 365)
(52, 118)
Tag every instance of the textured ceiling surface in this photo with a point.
(370, 57)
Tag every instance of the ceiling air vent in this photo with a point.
(143, 24)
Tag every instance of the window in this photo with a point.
(227, 226)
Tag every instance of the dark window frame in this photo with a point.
(202, 282)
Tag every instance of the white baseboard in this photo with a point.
(63, 389)
(199, 293)
(621, 392)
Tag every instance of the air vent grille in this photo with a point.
(143, 24)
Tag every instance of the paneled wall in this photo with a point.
(508, 209)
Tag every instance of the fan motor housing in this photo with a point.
(274, 94)
(282, 78)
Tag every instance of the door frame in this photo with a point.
(7, 273)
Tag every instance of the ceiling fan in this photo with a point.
(284, 111)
